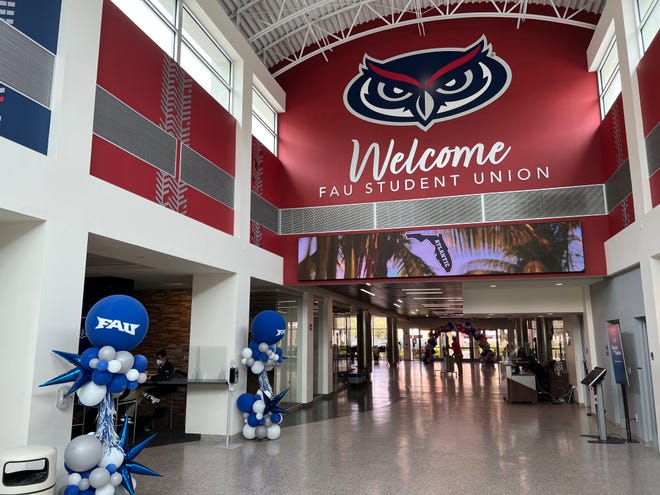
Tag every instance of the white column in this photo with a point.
(650, 273)
(625, 25)
(305, 390)
(219, 324)
(324, 348)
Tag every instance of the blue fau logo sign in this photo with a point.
(425, 87)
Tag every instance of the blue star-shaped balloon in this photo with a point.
(271, 404)
(79, 375)
(128, 466)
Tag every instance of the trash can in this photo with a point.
(31, 469)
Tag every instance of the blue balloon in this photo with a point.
(102, 365)
(254, 346)
(120, 321)
(71, 490)
(276, 418)
(263, 357)
(132, 385)
(268, 326)
(252, 420)
(278, 351)
(140, 362)
(88, 354)
(111, 468)
(101, 377)
(245, 402)
(118, 384)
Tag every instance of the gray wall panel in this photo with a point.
(206, 176)
(544, 203)
(264, 213)
(432, 211)
(618, 186)
(121, 125)
(25, 66)
(653, 150)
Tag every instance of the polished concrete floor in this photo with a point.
(413, 430)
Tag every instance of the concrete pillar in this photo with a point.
(364, 360)
(323, 332)
(218, 327)
(392, 342)
(305, 372)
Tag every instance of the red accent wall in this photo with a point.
(613, 138)
(648, 76)
(549, 115)
(134, 70)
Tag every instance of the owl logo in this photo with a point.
(429, 86)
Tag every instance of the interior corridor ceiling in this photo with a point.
(284, 33)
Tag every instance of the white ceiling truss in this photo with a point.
(285, 33)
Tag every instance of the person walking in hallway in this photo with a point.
(458, 354)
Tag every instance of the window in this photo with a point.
(609, 80)
(176, 31)
(264, 121)
(648, 16)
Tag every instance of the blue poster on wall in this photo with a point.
(23, 121)
(616, 349)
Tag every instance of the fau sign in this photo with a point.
(429, 86)
(121, 326)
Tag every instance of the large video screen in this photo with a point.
(485, 250)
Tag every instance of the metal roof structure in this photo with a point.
(284, 33)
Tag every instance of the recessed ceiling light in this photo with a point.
(399, 300)
(493, 285)
(367, 292)
(397, 305)
(559, 283)
(369, 284)
(491, 314)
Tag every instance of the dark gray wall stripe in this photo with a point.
(264, 213)
(340, 218)
(25, 66)
(618, 186)
(544, 203)
(121, 125)
(431, 212)
(206, 176)
(653, 150)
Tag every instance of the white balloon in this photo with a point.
(269, 366)
(115, 479)
(268, 421)
(113, 456)
(83, 484)
(249, 362)
(93, 362)
(247, 353)
(114, 366)
(91, 394)
(107, 489)
(257, 367)
(126, 359)
(99, 477)
(244, 361)
(107, 353)
(259, 406)
(245, 415)
(249, 432)
(83, 453)
(142, 378)
(132, 375)
(263, 347)
(73, 478)
(261, 432)
(273, 432)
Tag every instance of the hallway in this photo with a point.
(418, 431)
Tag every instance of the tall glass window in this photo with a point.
(609, 79)
(264, 121)
(179, 34)
(648, 16)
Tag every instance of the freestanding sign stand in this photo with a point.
(619, 366)
(595, 380)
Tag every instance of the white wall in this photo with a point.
(43, 262)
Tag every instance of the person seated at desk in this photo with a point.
(153, 394)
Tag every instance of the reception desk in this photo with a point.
(517, 387)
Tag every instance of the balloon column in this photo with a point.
(98, 463)
(429, 350)
(261, 412)
(487, 355)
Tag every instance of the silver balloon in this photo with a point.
(126, 359)
(99, 477)
(261, 432)
(249, 432)
(83, 453)
(107, 353)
